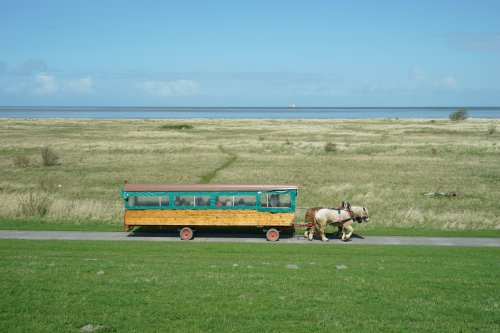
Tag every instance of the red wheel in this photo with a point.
(186, 233)
(272, 235)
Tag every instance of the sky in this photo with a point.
(314, 53)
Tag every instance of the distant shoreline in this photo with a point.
(244, 112)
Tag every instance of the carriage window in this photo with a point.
(148, 201)
(192, 200)
(236, 200)
(275, 200)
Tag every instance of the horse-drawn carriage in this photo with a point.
(269, 207)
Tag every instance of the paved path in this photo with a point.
(243, 238)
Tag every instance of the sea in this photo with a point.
(243, 112)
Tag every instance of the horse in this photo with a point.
(312, 222)
(337, 217)
(359, 214)
(309, 220)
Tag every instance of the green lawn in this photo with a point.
(62, 286)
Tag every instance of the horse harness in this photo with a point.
(344, 220)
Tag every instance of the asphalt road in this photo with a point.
(246, 238)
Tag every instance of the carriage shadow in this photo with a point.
(205, 232)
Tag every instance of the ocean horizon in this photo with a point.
(117, 112)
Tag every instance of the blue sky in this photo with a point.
(250, 53)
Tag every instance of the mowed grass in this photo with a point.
(386, 165)
(63, 286)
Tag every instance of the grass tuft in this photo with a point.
(22, 161)
(330, 147)
(34, 205)
(492, 128)
(49, 157)
(177, 127)
(459, 115)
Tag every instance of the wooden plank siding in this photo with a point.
(206, 218)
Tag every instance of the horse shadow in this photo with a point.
(339, 236)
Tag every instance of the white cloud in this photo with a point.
(17, 88)
(156, 88)
(448, 82)
(417, 74)
(80, 86)
(46, 84)
(29, 67)
(170, 88)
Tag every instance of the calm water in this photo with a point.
(239, 113)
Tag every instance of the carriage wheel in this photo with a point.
(272, 235)
(186, 233)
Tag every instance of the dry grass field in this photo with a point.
(387, 165)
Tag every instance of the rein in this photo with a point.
(340, 221)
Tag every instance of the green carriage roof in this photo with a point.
(206, 187)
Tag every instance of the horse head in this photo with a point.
(359, 213)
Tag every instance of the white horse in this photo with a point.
(359, 214)
(338, 217)
(324, 216)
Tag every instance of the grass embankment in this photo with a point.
(60, 286)
(386, 165)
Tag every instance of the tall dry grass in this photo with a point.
(385, 165)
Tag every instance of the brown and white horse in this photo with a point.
(336, 217)
(358, 214)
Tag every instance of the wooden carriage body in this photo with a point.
(217, 205)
